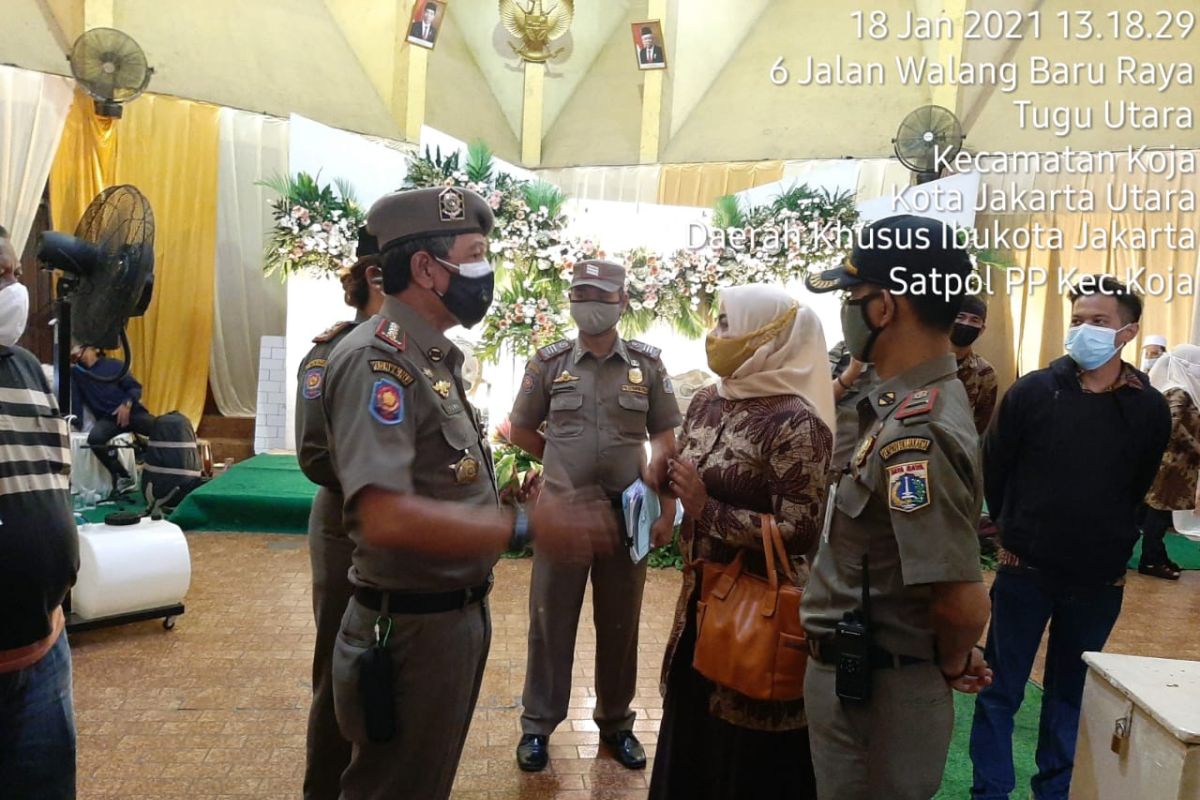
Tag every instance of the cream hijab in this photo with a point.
(796, 362)
(1178, 368)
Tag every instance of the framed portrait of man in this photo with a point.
(648, 42)
(426, 22)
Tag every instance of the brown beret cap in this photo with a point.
(441, 211)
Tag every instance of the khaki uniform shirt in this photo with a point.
(312, 441)
(598, 412)
(910, 498)
(399, 420)
(979, 379)
(846, 435)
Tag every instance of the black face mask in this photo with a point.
(468, 299)
(964, 335)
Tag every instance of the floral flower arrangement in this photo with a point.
(534, 255)
(316, 226)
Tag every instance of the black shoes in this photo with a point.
(626, 749)
(533, 753)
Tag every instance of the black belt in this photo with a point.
(422, 603)
(825, 651)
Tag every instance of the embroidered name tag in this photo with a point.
(629, 387)
(917, 443)
(395, 370)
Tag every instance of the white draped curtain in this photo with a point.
(246, 304)
(33, 110)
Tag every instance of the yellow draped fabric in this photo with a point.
(701, 184)
(168, 149)
(1037, 322)
(85, 163)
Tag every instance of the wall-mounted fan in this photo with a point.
(111, 67)
(107, 275)
(927, 135)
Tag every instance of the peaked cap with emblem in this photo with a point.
(604, 275)
(916, 245)
(400, 217)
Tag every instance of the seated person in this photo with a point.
(116, 405)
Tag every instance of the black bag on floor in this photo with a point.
(172, 467)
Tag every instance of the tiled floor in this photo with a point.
(217, 707)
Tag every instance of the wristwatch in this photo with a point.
(522, 533)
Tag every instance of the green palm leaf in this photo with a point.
(479, 162)
(728, 213)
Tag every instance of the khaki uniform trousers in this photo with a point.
(329, 550)
(555, 600)
(894, 746)
(437, 662)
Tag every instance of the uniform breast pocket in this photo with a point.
(852, 497)
(566, 414)
(460, 433)
(634, 408)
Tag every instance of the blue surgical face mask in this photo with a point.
(1091, 346)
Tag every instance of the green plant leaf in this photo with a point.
(479, 162)
(728, 213)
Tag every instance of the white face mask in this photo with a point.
(14, 312)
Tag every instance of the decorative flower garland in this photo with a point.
(534, 255)
(316, 227)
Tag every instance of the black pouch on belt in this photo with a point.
(376, 685)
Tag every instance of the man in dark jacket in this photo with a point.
(39, 556)
(116, 405)
(1067, 461)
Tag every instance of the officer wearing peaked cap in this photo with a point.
(895, 603)
(327, 752)
(601, 399)
(421, 504)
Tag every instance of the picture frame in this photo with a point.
(648, 44)
(426, 23)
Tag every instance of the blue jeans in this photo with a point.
(37, 728)
(1079, 622)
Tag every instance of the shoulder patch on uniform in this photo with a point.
(527, 384)
(332, 332)
(390, 334)
(395, 370)
(643, 348)
(908, 486)
(916, 443)
(314, 379)
(316, 362)
(550, 351)
(668, 388)
(917, 403)
(387, 402)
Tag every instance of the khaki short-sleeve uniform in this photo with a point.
(399, 420)
(329, 552)
(910, 498)
(598, 412)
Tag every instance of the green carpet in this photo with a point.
(265, 494)
(956, 784)
(1182, 550)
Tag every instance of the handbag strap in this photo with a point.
(785, 561)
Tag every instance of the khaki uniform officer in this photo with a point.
(329, 548)
(902, 530)
(601, 398)
(420, 503)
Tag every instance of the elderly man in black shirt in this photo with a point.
(39, 556)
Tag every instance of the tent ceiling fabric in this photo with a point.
(336, 61)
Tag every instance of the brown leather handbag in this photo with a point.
(748, 632)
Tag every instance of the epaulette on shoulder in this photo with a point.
(333, 332)
(550, 351)
(917, 403)
(391, 335)
(645, 349)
